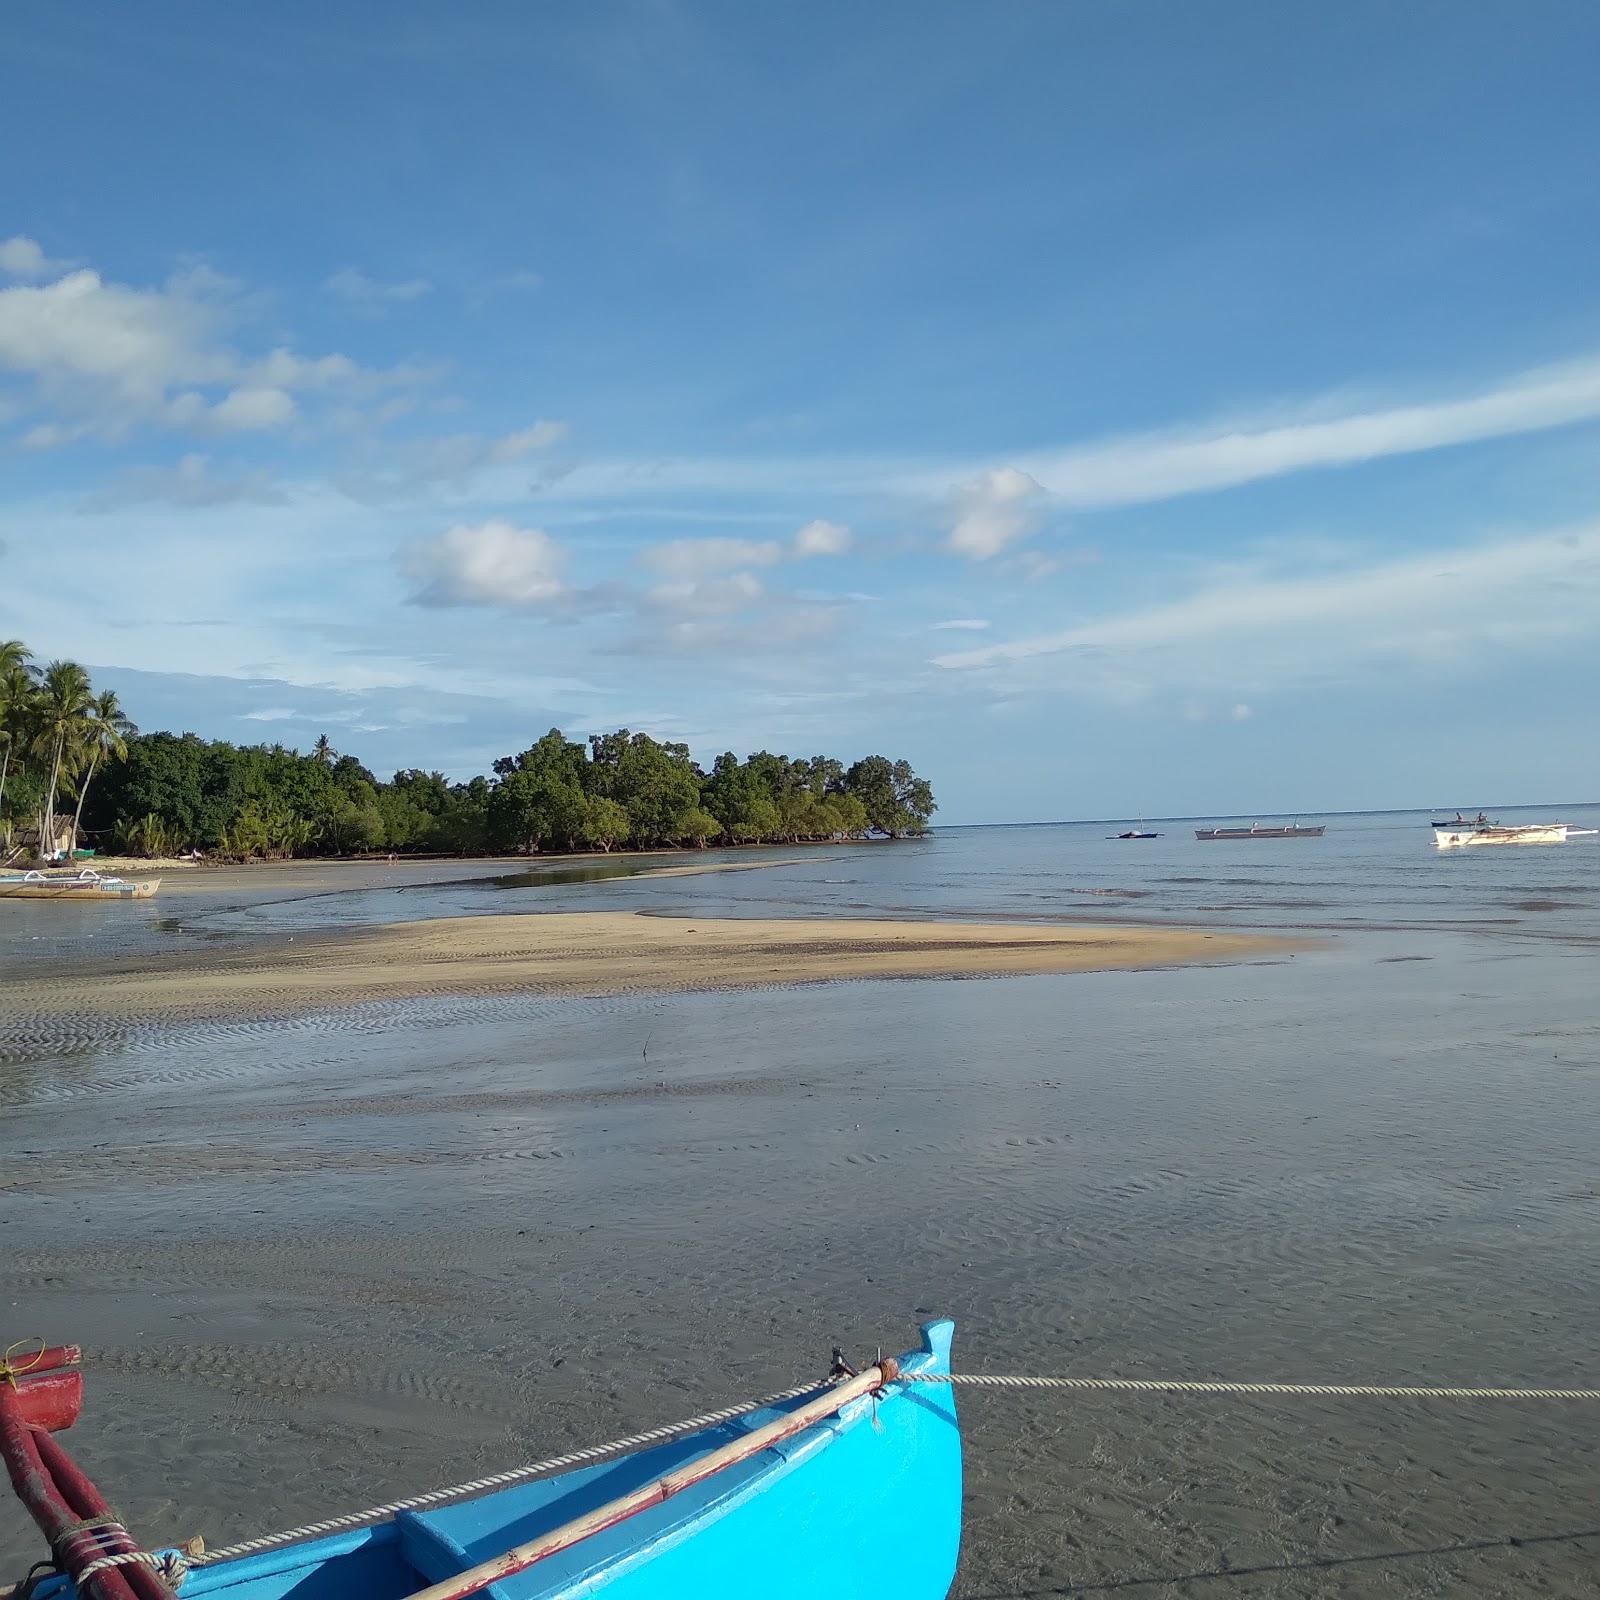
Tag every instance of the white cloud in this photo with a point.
(272, 714)
(253, 408)
(962, 625)
(780, 625)
(190, 483)
(539, 436)
(994, 510)
(388, 471)
(102, 358)
(1147, 467)
(819, 538)
(52, 435)
(690, 559)
(139, 344)
(1242, 713)
(21, 257)
(1450, 608)
(283, 369)
(708, 596)
(491, 564)
(371, 295)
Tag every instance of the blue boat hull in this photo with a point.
(863, 1506)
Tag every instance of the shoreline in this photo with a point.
(341, 874)
(587, 954)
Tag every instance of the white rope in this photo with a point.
(707, 1419)
(499, 1480)
(1368, 1391)
(171, 1567)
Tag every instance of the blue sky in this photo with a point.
(1112, 409)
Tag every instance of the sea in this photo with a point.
(320, 1261)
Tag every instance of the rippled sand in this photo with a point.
(581, 953)
(319, 1257)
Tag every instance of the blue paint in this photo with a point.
(863, 1506)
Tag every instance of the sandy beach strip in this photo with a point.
(593, 954)
(281, 879)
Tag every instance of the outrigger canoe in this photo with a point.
(85, 885)
(1457, 835)
(850, 1491)
(1256, 831)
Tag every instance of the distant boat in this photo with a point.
(850, 1490)
(1134, 833)
(85, 885)
(1256, 831)
(1460, 833)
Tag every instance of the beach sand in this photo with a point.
(591, 954)
(257, 879)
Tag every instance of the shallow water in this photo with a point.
(320, 1262)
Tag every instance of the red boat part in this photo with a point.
(48, 1358)
(50, 1400)
(35, 1394)
(39, 1492)
(81, 1494)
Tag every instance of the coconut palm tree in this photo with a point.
(16, 698)
(61, 715)
(323, 750)
(106, 733)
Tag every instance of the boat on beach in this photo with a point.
(849, 1488)
(1461, 833)
(1256, 831)
(86, 884)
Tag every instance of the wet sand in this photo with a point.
(320, 1257)
(584, 954)
(250, 881)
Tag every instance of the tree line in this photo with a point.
(72, 766)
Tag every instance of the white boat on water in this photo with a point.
(1460, 833)
(85, 885)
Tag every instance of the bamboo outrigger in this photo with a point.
(85, 885)
(848, 1488)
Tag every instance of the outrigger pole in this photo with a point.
(40, 1394)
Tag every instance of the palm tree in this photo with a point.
(62, 708)
(323, 750)
(16, 698)
(106, 733)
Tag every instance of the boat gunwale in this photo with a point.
(705, 1503)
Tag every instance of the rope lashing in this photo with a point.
(500, 1480)
(1358, 1391)
(11, 1370)
(173, 1566)
(170, 1566)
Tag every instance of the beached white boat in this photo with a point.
(85, 885)
(1457, 835)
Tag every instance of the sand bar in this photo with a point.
(260, 879)
(595, 953)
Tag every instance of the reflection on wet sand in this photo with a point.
(349, 1252)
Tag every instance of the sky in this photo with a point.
(1115, 410)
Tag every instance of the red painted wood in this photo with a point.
(50, 1400)
(37, 1489)
(80, 1493)
(49, 1359)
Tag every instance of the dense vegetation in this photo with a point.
(69, 753)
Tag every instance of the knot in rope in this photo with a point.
(11, 1370)
(169, 1566)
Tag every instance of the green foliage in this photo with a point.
(696, 827)
(605, 824)
(897, 801)
(166, 793)
(149, 835)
